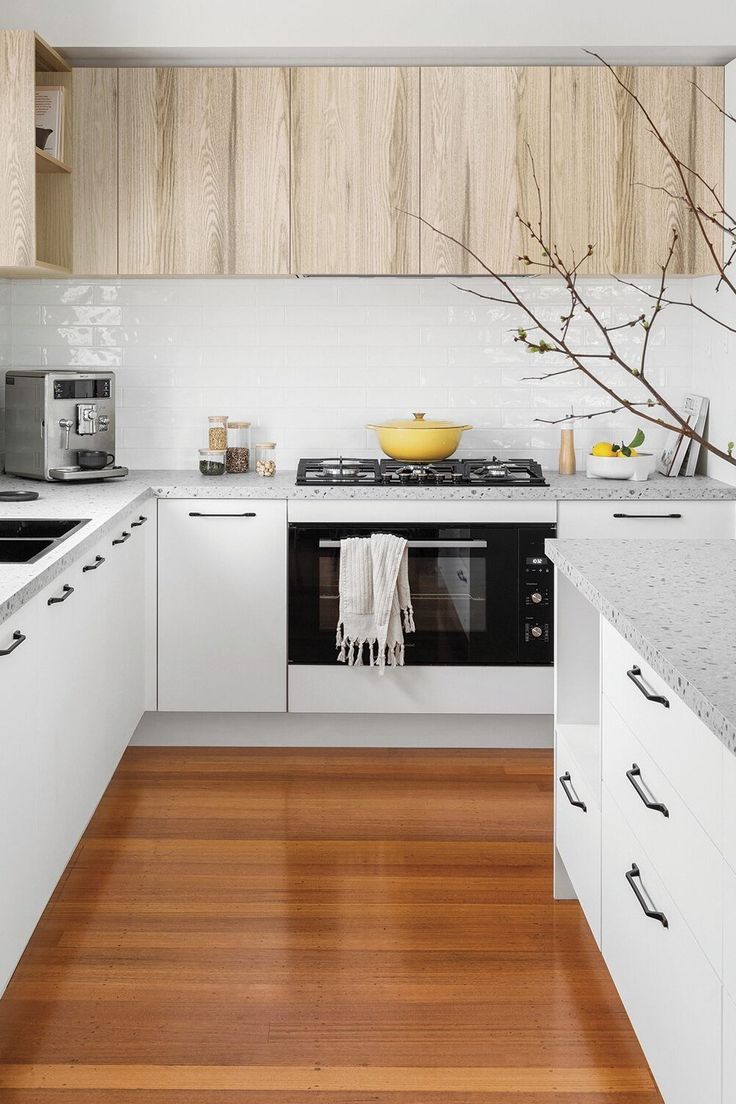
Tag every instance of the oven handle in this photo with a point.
(446, 542)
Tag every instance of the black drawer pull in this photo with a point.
(653, 914)
(656, 517)
(99, 560)
(141, 521)
(18, 639)
(122, 538)
(566, 783)
(196, 513)
(657, 806)
(67, 592)
(635, 675)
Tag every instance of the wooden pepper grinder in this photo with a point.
(567, 451)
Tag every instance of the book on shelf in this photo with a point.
(679, 455)
(50, 120)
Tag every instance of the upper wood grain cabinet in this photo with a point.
(95, 172)
(355, 169)
(204, 171)
(480, 128)
(608, 171)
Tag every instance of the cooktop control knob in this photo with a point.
(536, 632)
(536, 597)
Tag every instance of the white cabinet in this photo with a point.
(578, 830)
(729, 1049)
(222, 605)
(72, 693)
(646, 519)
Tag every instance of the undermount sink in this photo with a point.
(25, 540)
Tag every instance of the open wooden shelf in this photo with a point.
(47, 58)
(36, 271)
(46, 163)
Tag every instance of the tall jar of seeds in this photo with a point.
(266, 458)
(238, 447)
(217, 434)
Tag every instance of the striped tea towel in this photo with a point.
(375, 600)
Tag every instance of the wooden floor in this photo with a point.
(255, 926)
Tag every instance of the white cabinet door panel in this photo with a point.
(222, 605)
(578, 833)
(645, 519)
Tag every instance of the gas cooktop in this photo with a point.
(344, 471)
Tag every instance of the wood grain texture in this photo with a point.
(479, 125)
(355, 167)
(17, 157)
(342, 926)
(54, 191)
(95, 184)
(204, 171)
(608, 169)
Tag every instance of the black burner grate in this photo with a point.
(352, 472)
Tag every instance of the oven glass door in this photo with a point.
(464, 587)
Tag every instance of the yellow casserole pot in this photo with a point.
(419, 439)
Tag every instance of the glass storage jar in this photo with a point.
(266, 458)
(212, 461)
(217, 436)
(237, 460)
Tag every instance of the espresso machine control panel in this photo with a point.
(60, 425)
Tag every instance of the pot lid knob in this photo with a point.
(419, 417)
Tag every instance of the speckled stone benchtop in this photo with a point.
(675, 602)
(106, 504)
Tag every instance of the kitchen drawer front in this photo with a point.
(645, 520)
(729, 807)
(669, 989)
(686, 752)
(729, 931)
(578, 833)
(729, 1049)
(686, 859)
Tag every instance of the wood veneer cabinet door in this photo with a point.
(95, 172)
(608, 170)
(17, 164)
(355, 168)
(204, 171)
(481, 126)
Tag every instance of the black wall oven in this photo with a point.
(482, 593)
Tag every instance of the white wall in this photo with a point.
(310, 362)
(537, 28)
(5, 350)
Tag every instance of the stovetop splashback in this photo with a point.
(310, 362)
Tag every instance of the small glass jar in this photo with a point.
(266, 458)
(212, 461)
(237, 461)
(217, 436)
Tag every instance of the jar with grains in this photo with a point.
(266, 458)
(217, 437)
(237, 461)
(212, 461)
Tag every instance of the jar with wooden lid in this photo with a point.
(217, 432)
(266, 458)
(238, 448)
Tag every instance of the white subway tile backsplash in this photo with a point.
(311, 361)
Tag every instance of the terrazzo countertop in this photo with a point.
(105, 504)
(673, 601)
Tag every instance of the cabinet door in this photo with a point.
(222, 605)
(355, 168)
(17, 169)
(95, 172)
(481, 127)
(608, 170)
(204, 171)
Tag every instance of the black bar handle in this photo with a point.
(659, 517)
(653, 914)
(18, 639)
(122, 538)
(565, 782)
(99, 560)
(196, 513)
(657, 806)
(67, 592)
(635, 675)
(141, 521)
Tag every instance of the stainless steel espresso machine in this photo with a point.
(60, 425)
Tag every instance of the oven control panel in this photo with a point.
(536, 581)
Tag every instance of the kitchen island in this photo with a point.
(645, 795)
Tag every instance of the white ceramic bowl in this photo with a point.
(638, 467)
